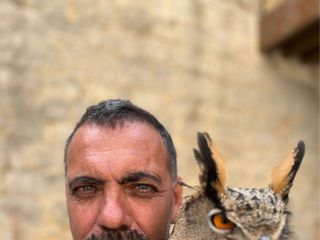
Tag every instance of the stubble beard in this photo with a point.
(123, 234)
(119, 234)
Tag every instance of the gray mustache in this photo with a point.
(119, 235)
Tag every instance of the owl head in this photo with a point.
(246, 213)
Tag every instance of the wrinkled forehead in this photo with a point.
(257, 206)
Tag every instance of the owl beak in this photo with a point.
(264, 237)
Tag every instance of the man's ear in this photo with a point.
(177, 200)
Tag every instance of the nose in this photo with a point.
(114, 212)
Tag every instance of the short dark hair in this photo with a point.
(111, 112)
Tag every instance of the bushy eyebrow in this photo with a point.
(138, 176)
(84, 180)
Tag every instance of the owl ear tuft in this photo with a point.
(283, 175)
(212, 166)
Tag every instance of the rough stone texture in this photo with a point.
(194, 64)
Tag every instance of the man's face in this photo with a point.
(118, 178)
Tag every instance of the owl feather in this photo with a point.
(218, 212)
(212, 166)
(284, 173)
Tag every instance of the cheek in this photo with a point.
(154, 218)
(81, 219)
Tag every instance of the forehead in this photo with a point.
(254, 207)
(130, 144)
(136, 130)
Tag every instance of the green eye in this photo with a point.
(143, 188)
(84, 191)
(87, 188)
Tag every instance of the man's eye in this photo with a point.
(145, 189)
(84, 191)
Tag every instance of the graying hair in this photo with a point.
(111, 112)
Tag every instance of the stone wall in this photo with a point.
(194, 64)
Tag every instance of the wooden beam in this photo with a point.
(287, 22)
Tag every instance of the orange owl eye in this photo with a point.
(221, 222)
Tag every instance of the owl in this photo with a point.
(216, 211)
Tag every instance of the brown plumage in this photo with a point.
(208, 152)
(283, 174)
(219, 212)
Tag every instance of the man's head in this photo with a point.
(113, 112)
(121, 173)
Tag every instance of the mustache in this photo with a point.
(119, 234)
